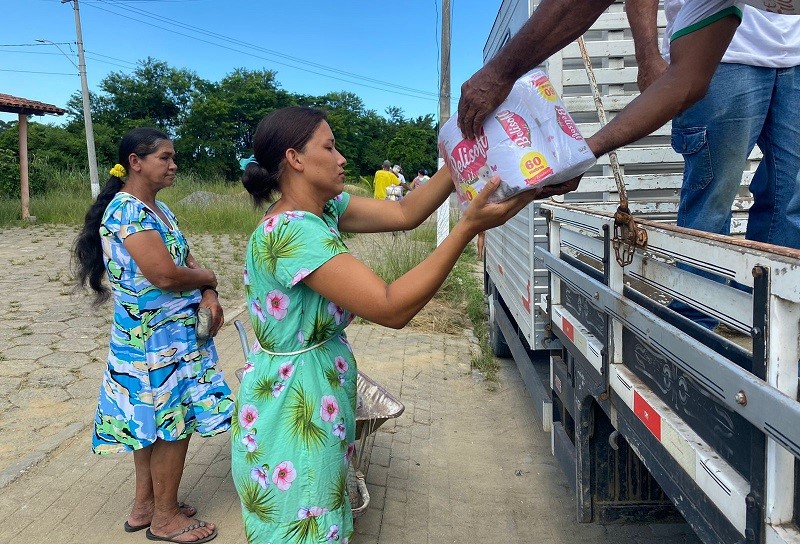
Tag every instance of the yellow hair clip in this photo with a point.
(118, 171)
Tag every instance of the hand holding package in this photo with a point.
(530, 141)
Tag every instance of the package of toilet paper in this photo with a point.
(530, 141)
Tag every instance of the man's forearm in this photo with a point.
(643, 18)
(650, 110)
(695, 58)
(554, 25)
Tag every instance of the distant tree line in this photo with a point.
(211, 124)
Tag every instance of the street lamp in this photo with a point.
(87, 112)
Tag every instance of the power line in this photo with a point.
(92, 57)
(235, 41)
(132, 63)
(36, 72)
(33, 44)
(31, 53)
(429, 95)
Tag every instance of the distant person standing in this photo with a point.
(383, 179)
(421, 179)
(398, 171)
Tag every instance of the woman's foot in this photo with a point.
(142, 516)
(182, 529)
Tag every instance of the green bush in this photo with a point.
(9, 174)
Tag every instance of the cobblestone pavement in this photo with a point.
(54, 342)
(462, 464)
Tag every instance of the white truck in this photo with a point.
(650, 415)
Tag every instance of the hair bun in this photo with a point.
(258, 181)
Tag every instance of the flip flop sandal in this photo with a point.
(133, 528)
(185, 508)
(171, 537)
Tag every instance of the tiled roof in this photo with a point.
(14, 104)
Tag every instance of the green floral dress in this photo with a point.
(294, 426)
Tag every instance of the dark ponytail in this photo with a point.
(286, 128)
(87, 251)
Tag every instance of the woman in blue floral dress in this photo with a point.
(160, 385)
(294, 427)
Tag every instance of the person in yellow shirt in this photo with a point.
(383, 179)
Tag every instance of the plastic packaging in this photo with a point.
(530, 141)
(203, 325)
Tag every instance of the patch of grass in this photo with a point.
(360, 190)
(230, 209)
(395, 255)
(476, 310)
(462, 290)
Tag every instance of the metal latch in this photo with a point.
(627, 236)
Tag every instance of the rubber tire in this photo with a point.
(497, 342)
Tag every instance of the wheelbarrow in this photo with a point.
(375, 406)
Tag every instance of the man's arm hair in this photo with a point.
(553, 26)
(643, 17)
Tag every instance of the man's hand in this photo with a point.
(643, 17)
(560, 189)
(650, 71)
(480, 96)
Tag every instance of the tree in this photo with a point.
(51, 149)
(346, 117)
(414, 145)
(154, 95)
(219, 128)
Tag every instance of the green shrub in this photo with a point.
(9, 174)
(368, 182)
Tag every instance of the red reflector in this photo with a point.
(645, 412)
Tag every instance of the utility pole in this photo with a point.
(443, 213)
(87, 112)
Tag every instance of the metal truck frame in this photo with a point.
(650, 415)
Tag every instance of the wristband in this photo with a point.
(205, 288)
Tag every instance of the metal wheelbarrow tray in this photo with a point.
(375, 405)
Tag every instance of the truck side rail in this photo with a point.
(757, 501)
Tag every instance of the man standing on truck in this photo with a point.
(700, 35)
(751, 99)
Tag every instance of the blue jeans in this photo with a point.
(744, 105)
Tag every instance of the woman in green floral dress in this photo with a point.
(294, 425)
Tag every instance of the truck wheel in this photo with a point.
(497, 342)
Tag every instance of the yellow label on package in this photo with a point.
(534, 168)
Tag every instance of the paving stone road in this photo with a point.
(462, 464)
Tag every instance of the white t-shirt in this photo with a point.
(762, 39)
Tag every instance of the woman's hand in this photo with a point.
(211, 302)
(482, 215)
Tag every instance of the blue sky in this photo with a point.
(386, 53)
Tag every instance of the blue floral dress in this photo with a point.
(294, 430)
(159, 382)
